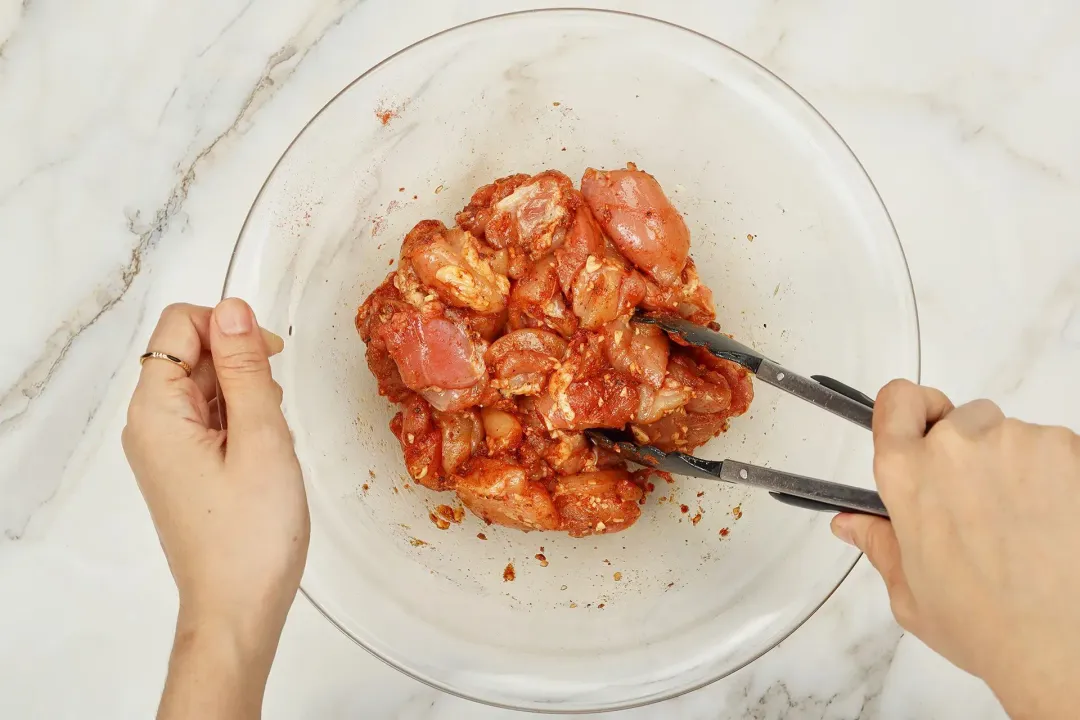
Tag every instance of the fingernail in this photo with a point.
(234, 317)
(841, 530)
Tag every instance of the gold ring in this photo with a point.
(165, 356)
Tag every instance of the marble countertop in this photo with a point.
(134, 135)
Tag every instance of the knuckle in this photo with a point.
(243, 362)
(174, 310)
(895, 390)
(946, 431)
(1012, 428)
(1067, 437)
(992, 412)
(887, 462)
(1011, 435)
(1061, 439)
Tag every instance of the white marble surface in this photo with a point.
(134, 135)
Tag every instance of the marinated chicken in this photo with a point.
(504, 338)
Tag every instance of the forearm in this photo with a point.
(217, 670)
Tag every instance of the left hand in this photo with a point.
(228, 504)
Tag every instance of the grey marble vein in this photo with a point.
(32, 479)
(226, 28)
(17, 399)
(23, 7)
(969, 127)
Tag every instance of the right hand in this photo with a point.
(982, 555)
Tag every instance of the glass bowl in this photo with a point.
(787, 230)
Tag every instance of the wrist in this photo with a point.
(1037, 686)
(1038, 705)
(219, 665)
(241, 640)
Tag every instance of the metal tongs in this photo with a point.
(796, 490)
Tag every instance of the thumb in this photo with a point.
(877, 540)
(242, 364)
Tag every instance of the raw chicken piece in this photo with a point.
(585, 392)
(421, 443)
(489, 327)
(570, 453)
(532, 219)
(385, 370)
(719, 389)
(655, 403)
(475, 216)
(462, 436)
(596, 503)
(597, 279)
(539, 440)
(680, 431)
(376, 311)
(604, 290)
(502, 431)
(434, 356)
(537, 301)
(688, 298)
(431, 351)
(584, 238)
(456, 266)
(377, 308)
(637, 349)
(521, 361)
(738, 379)
(500, 492)
(710, 392)
(635, 213)
(455, 400)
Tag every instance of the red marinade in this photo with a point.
(504, 337)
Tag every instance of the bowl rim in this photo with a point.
(678, 692)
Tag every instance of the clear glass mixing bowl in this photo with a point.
(787, 230)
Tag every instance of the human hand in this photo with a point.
(229, 505)
(980, 556)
